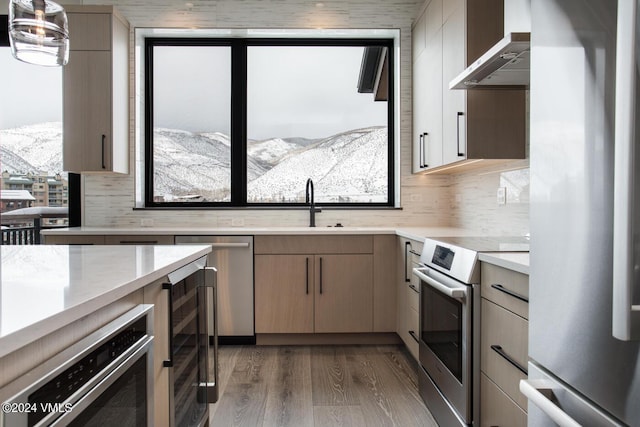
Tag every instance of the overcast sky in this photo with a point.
(292, 91)
(30, 93)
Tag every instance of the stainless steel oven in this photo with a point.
(446, 344)
(104, 379)
(449, 338)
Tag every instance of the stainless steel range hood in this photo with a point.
(506, 64)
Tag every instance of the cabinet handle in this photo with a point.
(501, 288)
(414, 289)
(508, 358)
(307, 271)
(420, 148)
(320, 275)
(424, 150)
(414, 336)
(460, 114)
(407, 245)
(104, 137)
(168, 287)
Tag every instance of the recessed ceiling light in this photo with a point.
(319, 4)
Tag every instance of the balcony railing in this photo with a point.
(23, 226)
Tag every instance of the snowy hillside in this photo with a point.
(347, 167)
(36, 148)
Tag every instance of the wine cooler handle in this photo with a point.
(168, 363)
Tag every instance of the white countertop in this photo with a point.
(516, 261)
(415, 233)
(46, 287)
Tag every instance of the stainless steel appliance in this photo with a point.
(104, 379)
(232, 256)
(192, 384)
(584, 215)
(449, 338)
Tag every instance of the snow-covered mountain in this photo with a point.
(349, 167)
(34, 148)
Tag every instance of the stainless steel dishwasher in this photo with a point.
(232, 256)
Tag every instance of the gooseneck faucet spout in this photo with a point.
(312, 205)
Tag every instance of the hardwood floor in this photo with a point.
(318, 386)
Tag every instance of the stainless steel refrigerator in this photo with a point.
(584, 286)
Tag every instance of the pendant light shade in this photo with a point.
(38, 32)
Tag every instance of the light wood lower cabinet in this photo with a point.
(496, 408)
(315, 284)
(408, 286)
(154, 294)
(504, 346)
(284, 291)
(314, 293)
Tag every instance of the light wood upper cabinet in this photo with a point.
(96, 92)
(456, 126)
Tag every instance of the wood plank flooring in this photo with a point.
(318, 386)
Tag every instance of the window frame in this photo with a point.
(238, 123)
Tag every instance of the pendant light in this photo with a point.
(38, 32)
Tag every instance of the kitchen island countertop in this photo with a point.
(46, 287)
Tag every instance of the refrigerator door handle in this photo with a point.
(535, 391)
(626, 316)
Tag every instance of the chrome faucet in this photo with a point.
(312, 204)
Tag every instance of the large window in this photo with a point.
(245, 122)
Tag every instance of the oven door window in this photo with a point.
(123, 404)
(441, 328)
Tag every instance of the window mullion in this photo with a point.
(238, 123)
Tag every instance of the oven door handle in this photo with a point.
(458, 292)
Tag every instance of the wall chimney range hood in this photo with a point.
(506, 64)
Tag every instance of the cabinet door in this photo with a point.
(420, 108)
(90, 31)
(433, 95)
(87, 111)
(454, 134)
(344, 293)
(154, 294)
(284, 293)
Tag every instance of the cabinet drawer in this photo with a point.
(74, 240)
(313, 245)
(504, 335)
(414, 326)
(496, 409)
(138, 240)
(413, 297)
(507, 288)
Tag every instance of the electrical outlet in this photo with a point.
(502, 195)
